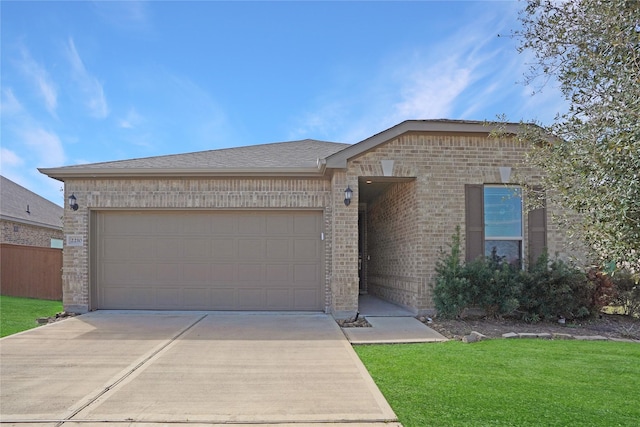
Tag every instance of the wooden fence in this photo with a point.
(31, 272)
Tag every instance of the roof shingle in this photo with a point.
(15, 199)
(294, 154)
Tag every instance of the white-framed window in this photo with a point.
(503, 223)
(56, 243)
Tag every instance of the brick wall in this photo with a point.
(393, 245)
(18, 233)
(344, 270)
(185, 193)
(442, 165)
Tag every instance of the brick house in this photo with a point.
(28, 219)
(267, 227)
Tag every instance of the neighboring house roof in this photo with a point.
(282, 158)
(21, 205)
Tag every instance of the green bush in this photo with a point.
(547, 290)
(452, 293)
(495, 285)
(555, 289)
(627, 292)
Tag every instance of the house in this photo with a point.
(28, 219)
(302, 226)
(30, 243)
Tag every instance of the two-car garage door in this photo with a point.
(206, 260)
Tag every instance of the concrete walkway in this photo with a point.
(393, 330)
(152, 368)
(390, 324)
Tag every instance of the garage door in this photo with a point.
(224, 260)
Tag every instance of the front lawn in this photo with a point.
(20, 314)
(509, 382)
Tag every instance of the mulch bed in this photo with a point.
(606, 325)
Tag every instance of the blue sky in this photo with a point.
(86, 82)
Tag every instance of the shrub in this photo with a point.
(548, 290)
(556, 289)
(451, 293)
(627, 292)
(603, 290)
(495, 285)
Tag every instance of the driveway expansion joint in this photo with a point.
(129, 372)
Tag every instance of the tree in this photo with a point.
(592, 48)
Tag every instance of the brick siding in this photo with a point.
(411, 222)
(100, 194)
(18, 233)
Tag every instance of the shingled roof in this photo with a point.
(24, 206)
(295, 157)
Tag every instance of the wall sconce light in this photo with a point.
(73, 202)
(347, 196)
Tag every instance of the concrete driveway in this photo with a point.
(152, 368)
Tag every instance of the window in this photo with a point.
(503, 222)
(494, 218)
(56, 243)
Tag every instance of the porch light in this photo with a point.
(347, 196)
(73, 202)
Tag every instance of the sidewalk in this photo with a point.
(390, 324)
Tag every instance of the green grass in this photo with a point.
(509, 382)
(20, 314)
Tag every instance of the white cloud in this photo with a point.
(9, 158)
(431, 94)
(126, 15)
(40, 79)
(9, 104)
(46, 145)
(131, 120)
(91, 88)
(466, 75)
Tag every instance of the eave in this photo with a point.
(61, 174)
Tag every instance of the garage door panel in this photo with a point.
(198, 248)
(142, 248)
(224, 248)
(165, 248)
(279, 225)
(115, 249)
(223, 299)
(223, 273)
(197, 298)
(167, 273)
(225, 224)
(251, 225)
(305, 224)
(278, 249)
(250, 272)
(250, 299)
(305, 249)
(278, 273)
(197, 273)
(305, 299)
(198, 226)
(305, 273)
(223, 260)
(278, 299)
(251, 249)
(168, 298)
(128, 225)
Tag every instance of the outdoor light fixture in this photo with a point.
(73, 202)
(347, 196)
